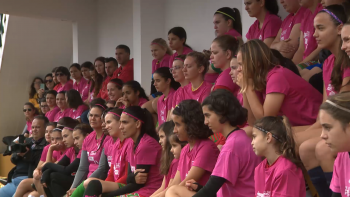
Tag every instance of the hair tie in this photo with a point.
(68, 128)
(176, 58)
(114, 114)
(337, 106)
(57, 129)
(115, 83)
(157, 44)
(273, 135)
(333, 15)
(133, 116)
(101, 106)
(226, 15)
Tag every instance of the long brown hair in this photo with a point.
(281, 130)
(338, 106)
(257, 60)
(167, 157)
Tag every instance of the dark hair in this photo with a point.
(62, 92)
(104, 113)
(74, 99)
(102, 107)
(97, 101)
(137, 88)
(116, 111)
(228, 43)
(63, 70)
(84, 129)
(192, 115)
(281, 131)
(167, 156)
(32, 91)
(66, 121)
(111, 59)
(53, 92)
(234, 13)
(201, 60)
(87, 64)
(285, 62)
(223, 103)
(36, 112)
(42, 100)
(122, 46)
(48, 75)
(179, 32)
(341, 100)
(53, 124)
(113, 102)
(165, 73)
(54, 70)
(182, 57)
(175, 139)
(71, 125)
(42, 117)
(76, 65)
(117, 82)
(147, 119)
(96, 84)
(271, 6)
(342, 60)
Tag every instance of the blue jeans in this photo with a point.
(10, 188)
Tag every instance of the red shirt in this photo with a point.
(103, 91)
(125, 73)
(58, 86)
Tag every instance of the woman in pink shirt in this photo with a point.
(227, 21)
(51, 102)
(198, 157)
(114, 89)
(268, 23)
(177, 42)
(334, 118)
(133, 95)
(76, 104)
(63, 77)
(178, 75)
(144, 157)
(85, 71)
(79, 81)
(316, 156)
(280, 174)
(172, 147)
(62, 105)
(233, 174)
(287, 39)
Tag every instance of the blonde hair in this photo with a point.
(162, 43)
(257, 60)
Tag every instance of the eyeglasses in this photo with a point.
(60, 74)
(25, 110)
(175, 68)
(48, 81)
(44, 106)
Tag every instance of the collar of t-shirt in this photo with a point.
(269, 166)
(232, 132)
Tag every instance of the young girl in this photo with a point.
(273, 139)
(51, 102)
(100, 66)
(227, 21)
(62, 104)
(76, 104)
(85, 71)
(198, 157)
(79, 81)
(63, 77)
(233, 174)
(267, 25)
(29, 112)
(316, 156)
(133, 95)
(334, 118)
(177, 42)
(144, 157)
(114, 89)
(287, 39)
(97, 79)
(178, 75)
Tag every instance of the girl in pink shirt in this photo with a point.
(144, 157)
(227, 21)
(198, 157)
(75, 103)
(62, 105)
(280, 174)
(178, 76)
(133, 95)
(114, 89)
(79, 81)
(63, 77)
(233, 174)
(51, 102)
(268, 23)
(177, 42)
(287, 39)
(85, 71)
(170, 155)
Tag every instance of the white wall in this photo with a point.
(33, 47)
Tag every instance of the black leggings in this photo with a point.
(58, 185)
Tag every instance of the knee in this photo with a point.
(307, 151)
(87, 181)
(323, 152)
(172, 191)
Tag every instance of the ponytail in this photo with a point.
(237, 25)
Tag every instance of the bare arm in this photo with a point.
(298, 56)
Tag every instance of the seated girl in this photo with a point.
(62, 105)
(133, 95)
(76, 104)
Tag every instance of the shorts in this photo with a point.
(132, 195)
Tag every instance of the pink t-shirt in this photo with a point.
(211, 77)
(185, 51)
(236, 164)
(308, 29)
(29, 127)
(57, 155)
(300, 97)
(234, 33)
(270, 28)
(141, 102)
(225, 79)
(172, 172)
(328, 66)
(52, 113)
(164, 63)
(289, 22)
(164, 106)
(203, 155)
(148, 152)
(80, 87)
(66, 87)
(86, 91)
(177, 92)
(120, 155)
(60, 114)
(76, 113)
(108, 149)
(341, 174)
(93, 148)
(70, 153)
(199, 95)
(283, 178)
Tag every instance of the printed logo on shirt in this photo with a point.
(264, 194)
(282, 34)
(260, 37)
(116, 172)
(132, 168)
(306, 39)
(330, 88)
(347, 191)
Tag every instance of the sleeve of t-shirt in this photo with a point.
(335, 186)
(174, 170)
(206, 157)
(249, 34)
(80, 110)
(147, 156)
(44, 154)
(181, 160)
(223, 167)
(282, 186)
(277, 83)
(272, 28)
